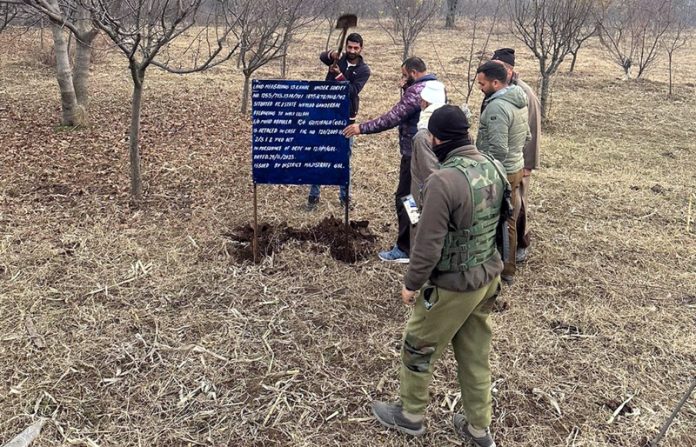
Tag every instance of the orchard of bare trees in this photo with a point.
(195, 35)
(155, 292)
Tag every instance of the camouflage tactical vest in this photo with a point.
(467, 248)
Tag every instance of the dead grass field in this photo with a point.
(137, 327)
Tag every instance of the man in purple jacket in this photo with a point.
(404, 114)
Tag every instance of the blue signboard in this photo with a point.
(297, 132)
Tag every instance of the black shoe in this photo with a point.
(392, 416)
(521, 255)
(462, 428)
(312, 203)
(508, 280)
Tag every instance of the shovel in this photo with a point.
(343, 23)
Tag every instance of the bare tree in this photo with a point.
(549, 28)
(408, 19)
(678, 34)
(588, 31)
(475, 11)
(264, 29)
(451, 13)
(8, 12)
(145, 30)
(632, 32)
(73, 78)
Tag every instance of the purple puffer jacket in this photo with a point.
(405, 114)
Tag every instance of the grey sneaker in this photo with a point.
(312, 203)
(462, 427)
(507, 280)
(521, 255)
(392, 416)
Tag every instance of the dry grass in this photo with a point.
(136, 327)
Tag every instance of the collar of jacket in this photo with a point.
(500, 93)
(497, 94)
(428, 77)
(464, 151)
(360, 61)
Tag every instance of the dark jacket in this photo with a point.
(357, 77)
(447, 203)
(405, 114)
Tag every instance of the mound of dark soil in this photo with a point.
(346, 244)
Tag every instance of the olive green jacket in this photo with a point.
(447, 203)
(504, 127)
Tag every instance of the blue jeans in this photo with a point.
(315, 190)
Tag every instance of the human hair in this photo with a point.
(355, 37)
(414, 64)
(493, 71)
(504, 64)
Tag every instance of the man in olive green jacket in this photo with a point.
(532, 150)
(503, 133)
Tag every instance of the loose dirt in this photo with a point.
(346, 244)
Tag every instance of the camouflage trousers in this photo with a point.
(462, 318)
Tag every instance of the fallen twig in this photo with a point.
(671, 417)
(33, 335)
(28, 435)
(618, 409)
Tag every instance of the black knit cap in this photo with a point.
(449, 123)
(506, 55)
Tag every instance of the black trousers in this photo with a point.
(403, 241)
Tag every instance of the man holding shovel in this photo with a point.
(350, 67)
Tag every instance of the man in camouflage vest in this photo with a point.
(456, 266)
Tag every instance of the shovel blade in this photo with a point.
(347, 21)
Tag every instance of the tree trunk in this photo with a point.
(83, 57)
(245, 93)
(669, 54)
(240, 58)
(70, 39)
(138, 75)
(68, 100)
(284, 62)
(407, 51)
(451, 13)
(575, 58)
(545, 96)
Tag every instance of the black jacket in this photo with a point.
(357, 77)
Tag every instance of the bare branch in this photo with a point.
(633, 30)
(550, 29)
(407, 19)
